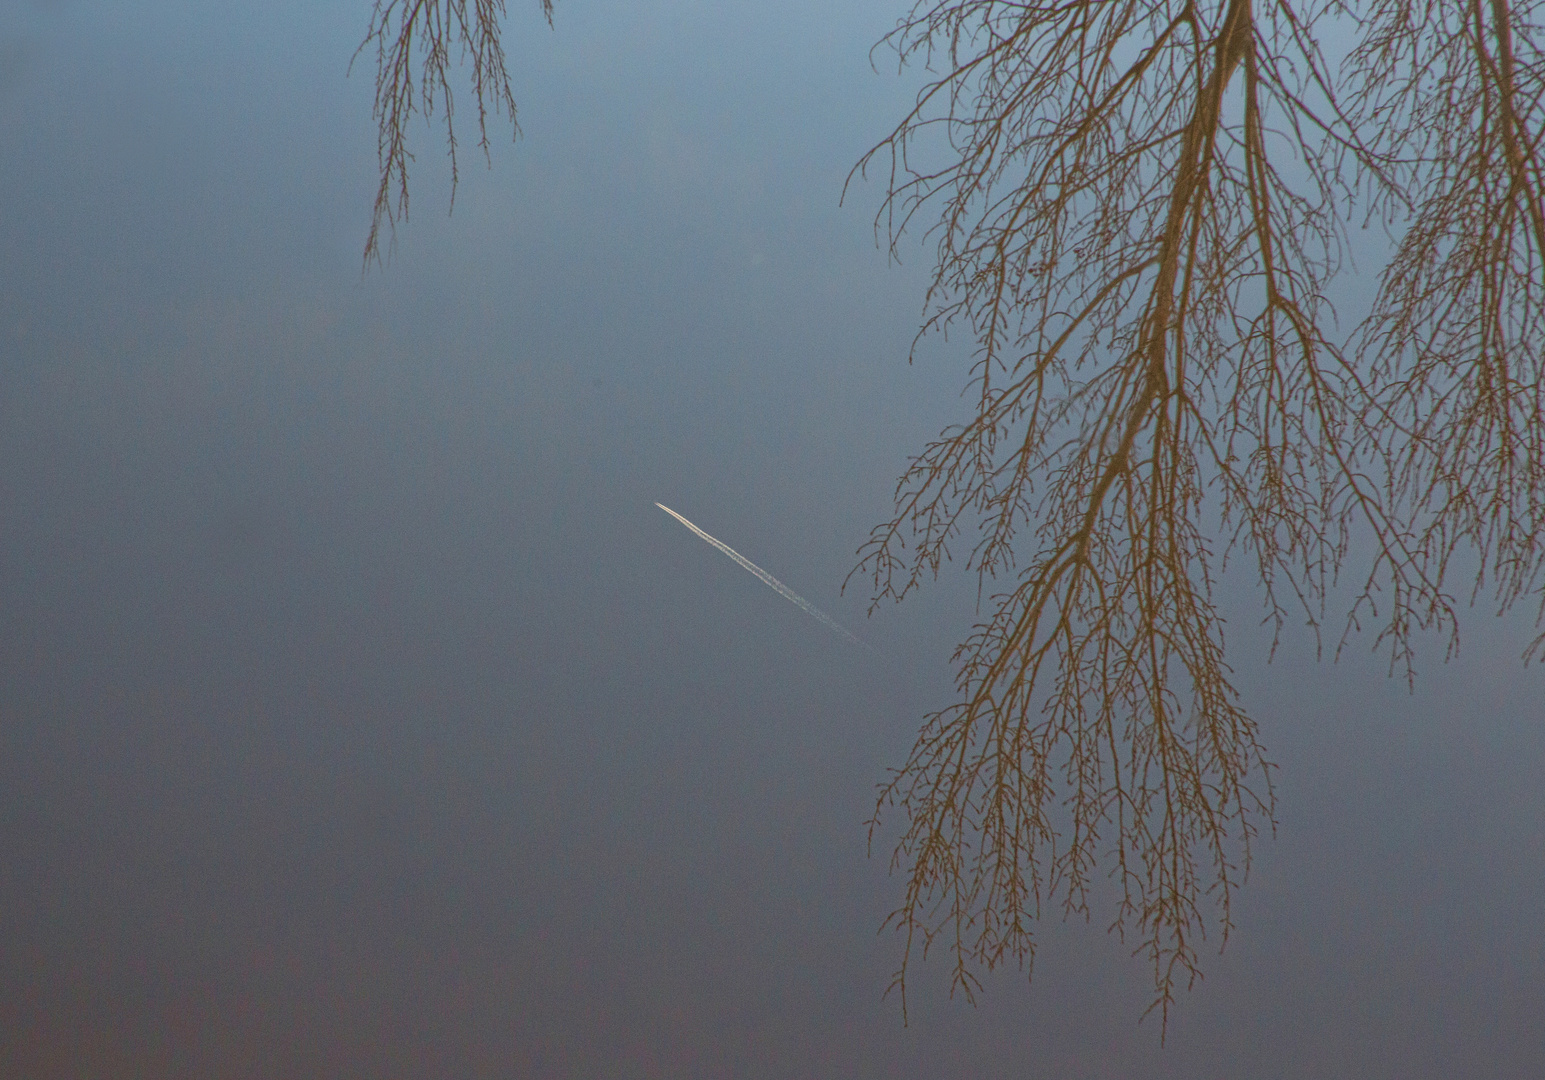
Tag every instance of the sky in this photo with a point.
(360, 714)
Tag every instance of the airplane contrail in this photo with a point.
(767, 579)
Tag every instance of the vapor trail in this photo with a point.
(767, 579)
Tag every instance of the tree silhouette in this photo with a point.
(1139, 208)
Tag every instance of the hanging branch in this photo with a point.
(413, 41)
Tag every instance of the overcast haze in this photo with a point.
(361, 716)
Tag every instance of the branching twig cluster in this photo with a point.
(406, 33)
(1139, 215)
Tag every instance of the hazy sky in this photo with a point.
(361, 716)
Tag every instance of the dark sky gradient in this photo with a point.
(360, 716)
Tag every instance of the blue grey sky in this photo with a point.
(361, 716)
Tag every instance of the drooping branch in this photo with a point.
(1454, 344)
(413, 42)
(1105, 663)
(1147, 290)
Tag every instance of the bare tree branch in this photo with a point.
(1146, 283)
(413, 41)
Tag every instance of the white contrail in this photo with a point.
(767, 579)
